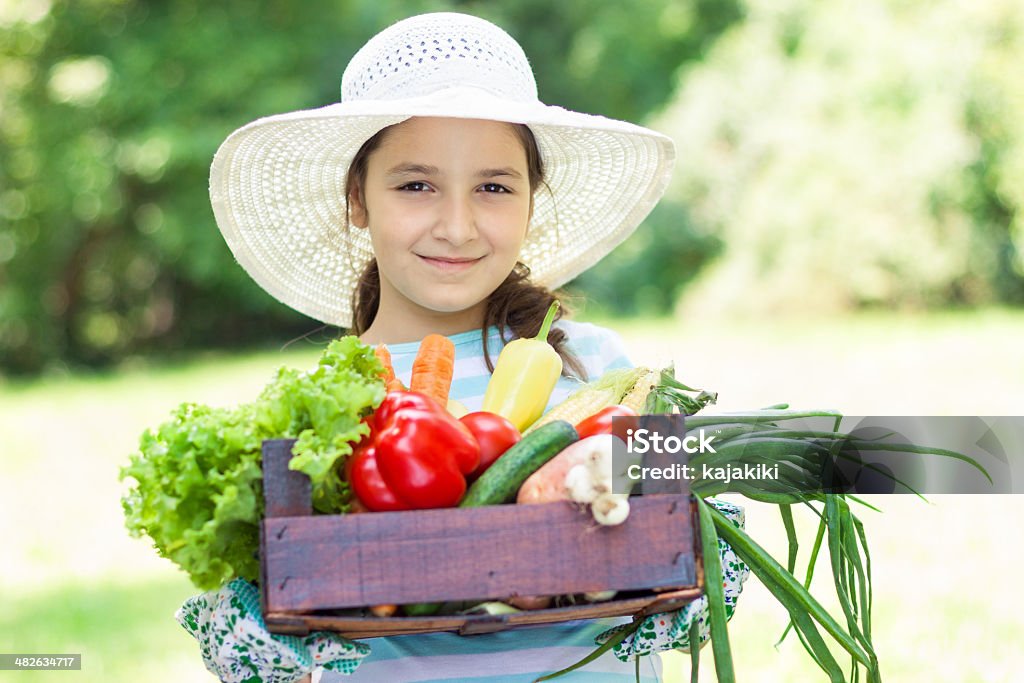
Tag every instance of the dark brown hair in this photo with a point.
(517, 305)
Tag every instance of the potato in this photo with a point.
(547, 484)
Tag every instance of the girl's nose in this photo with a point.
(456, 222)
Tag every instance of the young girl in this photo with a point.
(440, 196)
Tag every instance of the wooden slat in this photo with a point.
(664, 425)
(373, 627)
(329, 562)
(287, 493)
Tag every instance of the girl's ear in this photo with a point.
(357, 214)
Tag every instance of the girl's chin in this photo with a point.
(461, 302)
(450, 307)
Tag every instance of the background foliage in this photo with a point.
(857, 154)
(832, 155)
(112, 110)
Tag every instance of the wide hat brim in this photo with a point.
(277, 186)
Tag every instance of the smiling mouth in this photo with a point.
(450, 264)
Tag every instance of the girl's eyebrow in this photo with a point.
(405, 169)
(412, 169)
(493, 172)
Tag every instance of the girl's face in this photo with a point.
(447, 202)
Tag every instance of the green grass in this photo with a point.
(946, 606)
(121, 629)
(871, 364)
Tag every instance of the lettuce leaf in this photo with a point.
(198, 490)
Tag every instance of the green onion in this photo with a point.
(764, 565)
(810, 636)
(810, 568)
(715, 595)
(804, 457)
(608, 645)
(694, 650)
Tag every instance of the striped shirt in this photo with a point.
(521, 654)
(598, 349)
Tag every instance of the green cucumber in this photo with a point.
(422, 609)
(501, 482)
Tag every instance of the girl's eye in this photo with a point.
(419, 186)
(414, 187)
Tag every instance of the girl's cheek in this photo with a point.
(398, 225)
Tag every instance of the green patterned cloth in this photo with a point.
(671, 630)
(237, 648)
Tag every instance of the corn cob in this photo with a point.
(579, 406)
(607, 390)
(636, 397)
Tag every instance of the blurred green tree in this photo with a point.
(857, 154)
(111, 110)
(646, 274)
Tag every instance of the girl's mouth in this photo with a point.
(449, 265)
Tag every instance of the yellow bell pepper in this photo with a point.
(524, 377)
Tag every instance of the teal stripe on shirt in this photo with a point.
(521, 654)
(648, 674)
(568, 634)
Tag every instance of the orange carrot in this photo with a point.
(391, 383)
(433, 368)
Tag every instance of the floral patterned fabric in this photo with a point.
(671, 630)
(237, 648)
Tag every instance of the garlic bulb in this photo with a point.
(580, 484)
(610, 509)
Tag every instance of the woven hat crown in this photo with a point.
(427, 53)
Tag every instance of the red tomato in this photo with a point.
(601, 421)
(495, 435)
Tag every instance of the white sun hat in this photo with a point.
(277, 185)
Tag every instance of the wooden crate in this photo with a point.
(312, 565)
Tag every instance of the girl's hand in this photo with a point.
(236, 645)
(671, 630)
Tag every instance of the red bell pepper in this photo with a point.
(601, 421)
(416, 456)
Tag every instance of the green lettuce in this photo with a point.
(198, 490)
